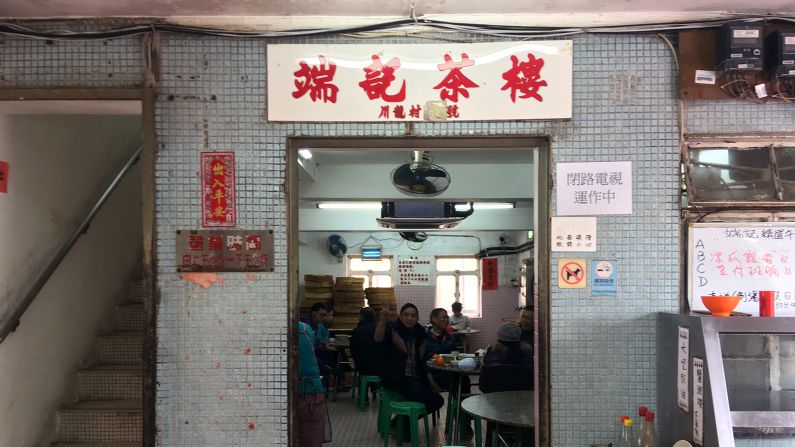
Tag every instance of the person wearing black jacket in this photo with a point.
(403, 367)
(365, 351)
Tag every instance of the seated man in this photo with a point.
(365, 351)
(440, 341)
(327, 355)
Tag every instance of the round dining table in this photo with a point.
(504, 408)
(457, 373)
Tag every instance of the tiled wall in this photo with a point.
(222, 351)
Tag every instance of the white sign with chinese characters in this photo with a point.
(594, 188)
(416, 82)
(682, 369)
(698, 400)
(573, 233)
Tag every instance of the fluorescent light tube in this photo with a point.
(349, 205)
(486, 206)
(305, 154)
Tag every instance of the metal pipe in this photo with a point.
(12, 321)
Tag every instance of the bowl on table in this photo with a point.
(720, 305)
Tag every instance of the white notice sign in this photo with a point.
(594, 188)
(371, 81)
(682, 369)
(698, 400)
(573, 233)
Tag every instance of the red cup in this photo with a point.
(767, 303)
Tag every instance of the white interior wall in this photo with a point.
(56, 166)
(314, 258)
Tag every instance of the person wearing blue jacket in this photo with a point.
(311, 394)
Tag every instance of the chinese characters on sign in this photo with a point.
(490, 273)
(698, 400)
(218, 189)
(741, 260)
(415, 270)
(478, 81)
(573, 233)
(4, 176)
(225, 251)
(594, 188)
(682, 369)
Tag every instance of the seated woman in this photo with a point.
(403, 349)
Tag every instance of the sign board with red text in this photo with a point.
(218, 189)
(528, 80)
(224, 251)
(742, 258)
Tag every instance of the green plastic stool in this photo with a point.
(385, 399)
(364, 382)
(412, 410)
(478, 432)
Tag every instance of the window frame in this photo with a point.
(477, 273)
(736, 142)
(370, 273)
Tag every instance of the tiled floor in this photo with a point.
(354, 428)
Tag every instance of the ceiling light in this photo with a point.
(486, 206)
(349, 205)
(305, 154)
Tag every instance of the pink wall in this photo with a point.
(496, 305)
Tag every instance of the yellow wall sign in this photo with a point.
(572, 273)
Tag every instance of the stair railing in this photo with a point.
(12, 320)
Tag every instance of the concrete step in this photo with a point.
(129, 317)
(112, 382)
(137, 291)
(101, 421)
(120, 348)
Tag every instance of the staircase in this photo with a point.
(109, 410)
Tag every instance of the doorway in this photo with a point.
(361, 172)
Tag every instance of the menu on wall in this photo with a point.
(415, 270)
(742, 259)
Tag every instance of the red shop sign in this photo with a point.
(3, 176)
(218, 189)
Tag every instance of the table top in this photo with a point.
(514, 408)
(466, 332)
(452, 369)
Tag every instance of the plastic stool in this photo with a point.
(385, 399)
(364, 382)
(412, 410)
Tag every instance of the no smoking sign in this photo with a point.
(572, 274)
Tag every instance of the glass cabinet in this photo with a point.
(726, 381)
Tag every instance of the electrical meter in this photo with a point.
(780, 54)
(739, 47)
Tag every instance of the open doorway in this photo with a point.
(73, 208)
(339, 187)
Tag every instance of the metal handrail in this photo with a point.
(12, 321)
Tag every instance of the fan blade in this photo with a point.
(403, 176)
(422, 186)
(432, 172)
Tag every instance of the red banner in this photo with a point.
(3, 176)
(490, 267)
(218, 189)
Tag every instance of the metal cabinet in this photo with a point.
(748, 379)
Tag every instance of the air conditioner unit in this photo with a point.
(421, 215)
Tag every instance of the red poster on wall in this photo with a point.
(490, 267)
(218, 189)
(3, 176)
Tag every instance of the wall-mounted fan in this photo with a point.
(337, 246)
(420, 177)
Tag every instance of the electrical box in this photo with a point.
(739, 47)
(780, 54)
